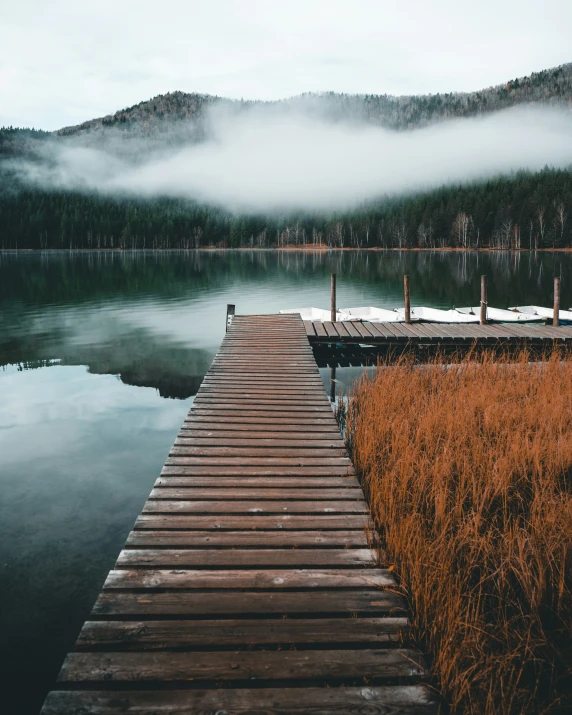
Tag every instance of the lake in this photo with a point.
(100, 356)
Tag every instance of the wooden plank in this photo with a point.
(273, 579)
(309, 327)
(195, 419)
(281, 438)
(182, 506)
(320, 330)
(189, 439)
(138, 604)
(252, 521)
(297, 493)
(292, 416)
(389, 700)
(384, 331)
(238, 539)
(249, 453)
(246, 482)
(241, 665)
(277, 470)
(330, 329)
(300, 461)
(351, 328)
(340, 327)
(182, 634)
(322, 429)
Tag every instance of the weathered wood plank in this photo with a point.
(249, 483)
(256, 470)
(180, 506)
(374, 700)
(252, 521)
(138, 604)
(242, 665)
(237, 539)
(274, 579)
(155, 635)
(227, 558)
(261, 493)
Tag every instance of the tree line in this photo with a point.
(522, 211)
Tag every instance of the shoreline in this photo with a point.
(287, 249)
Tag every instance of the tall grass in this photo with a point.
(468, 469)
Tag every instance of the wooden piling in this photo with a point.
(407, 299)
(229, 314)
(333, 298)
(333, 384)
(556, 316)
(483, 318)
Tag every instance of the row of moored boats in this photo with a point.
(518, 314)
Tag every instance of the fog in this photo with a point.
(263, 159)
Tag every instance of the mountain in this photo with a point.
(552, 86)
(523, 209)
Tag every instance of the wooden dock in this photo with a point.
(248, 584)
(435, 334)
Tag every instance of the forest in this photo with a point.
(522, 211)
(519, 211)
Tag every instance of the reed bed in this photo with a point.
(468, 470)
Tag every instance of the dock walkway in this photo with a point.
(248, 583)
(434, 334)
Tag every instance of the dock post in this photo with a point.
(333, 384)
(229, 315)
(556, 316)
(407, 299)
(333, 299)
(483, 318)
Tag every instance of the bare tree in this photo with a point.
(460, 229)
(540, 213)
(560, 221)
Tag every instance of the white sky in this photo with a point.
(62, 62)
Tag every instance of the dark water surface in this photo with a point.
(100, 356)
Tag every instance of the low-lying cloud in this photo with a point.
(264, 160)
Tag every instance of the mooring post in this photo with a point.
(483, 318)
(407, 299)
(333, 299)
(556, 316)
(229, 315)
(333, 384)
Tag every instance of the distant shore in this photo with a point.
(288, 249)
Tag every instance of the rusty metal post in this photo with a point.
(483, 318)
(556, 316)
(333, 299)
(407, 299)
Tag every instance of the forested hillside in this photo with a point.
(553, 86)
(523, 210)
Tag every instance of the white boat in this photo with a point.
(435, 315)
(372, 315)
(498, 315)
(543, 313)
(317, 314)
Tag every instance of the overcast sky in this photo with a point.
(62, 62)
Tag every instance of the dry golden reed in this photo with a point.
(468, 469)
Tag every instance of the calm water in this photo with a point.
(100, 356)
